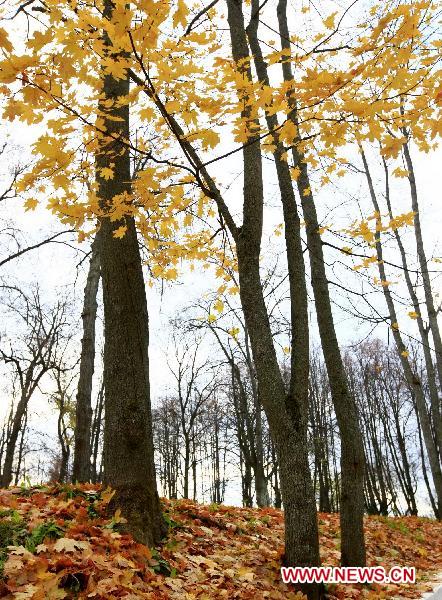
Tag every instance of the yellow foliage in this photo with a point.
(120, 232)
(31, 204)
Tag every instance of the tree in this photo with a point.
(128, 443)
(352, 453)
(83, 412)
(63, 401)
(35, 355)
(412, 377)
(180, 105)
(234, 343)
(192, 394)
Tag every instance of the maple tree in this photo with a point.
(86, 67)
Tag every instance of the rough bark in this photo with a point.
(352, 449)
(286, 422)
(83, 412)
(128, 443)
(286, 414)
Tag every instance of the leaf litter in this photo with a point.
(61, 542)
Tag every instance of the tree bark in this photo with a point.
(83, 412)
(128, 443)
(352, 449)
(286, 413)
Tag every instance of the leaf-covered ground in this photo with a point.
(59, 542)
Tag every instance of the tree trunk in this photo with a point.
(411, 377)
(352, 449)
(96, 432)
(128, 442)
(83, 412)
(21, 448)
(429, 303)
(17, 422)
(286, 413)
(186, 466)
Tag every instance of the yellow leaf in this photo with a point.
(4, 41)
(234, 332)
(329, 22)
(405, 353)
(118, 518)
(245, 574)
(413, 315)
(170, 274)
(295, 173)
(119, 233)
(219, 305)
(211, 318)
(209, 138)
(31, 204)
(179, 18)
(288, 132)
(147, 114)
(106, 173)
(399, 172)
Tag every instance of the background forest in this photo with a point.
(261, 179)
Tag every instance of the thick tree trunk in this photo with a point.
(128, 443)
(83, 412)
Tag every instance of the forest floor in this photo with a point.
(59, 542)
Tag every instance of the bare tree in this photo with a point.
(30, 357)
